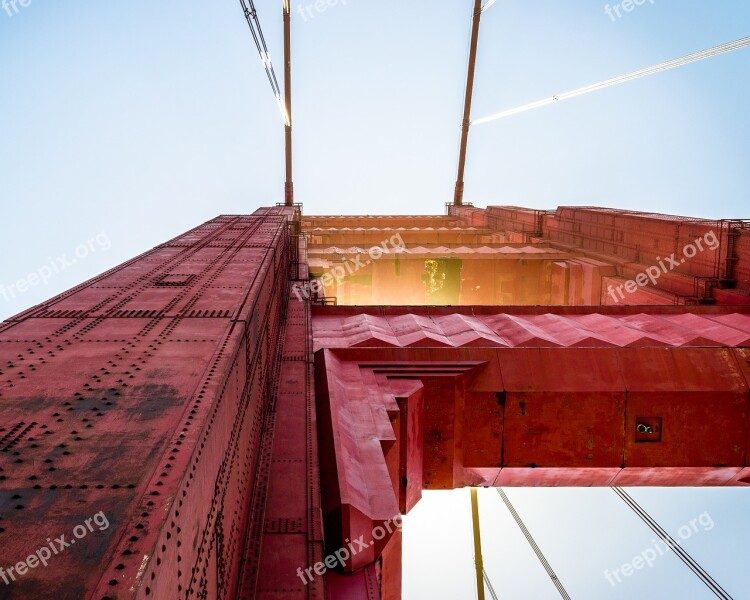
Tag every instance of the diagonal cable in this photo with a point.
(673, 545)
(529, 538)
(672, 64)
(489, 585)
(251, 15)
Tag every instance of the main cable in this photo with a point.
(671, 64)
(488, 4)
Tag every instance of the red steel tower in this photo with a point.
(216, 417)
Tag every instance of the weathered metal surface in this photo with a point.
(140, 396)
(523, 397)
(188, 395)
(515, 327)
(288, 494)
(711, 257)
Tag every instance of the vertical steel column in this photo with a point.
(289, 186)
(458, 196)
(478, 562)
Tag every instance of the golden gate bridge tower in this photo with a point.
(215, 418)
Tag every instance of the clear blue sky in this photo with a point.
(142, 119)
(583, 533)
(137, 120)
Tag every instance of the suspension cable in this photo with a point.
(489, 585)
(673, 545)
(533, 544)
(251, 15)
(672, 64)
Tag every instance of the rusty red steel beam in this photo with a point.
(289, 539)
(449, 408)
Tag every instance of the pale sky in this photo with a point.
(140, 120)
(583, 533)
